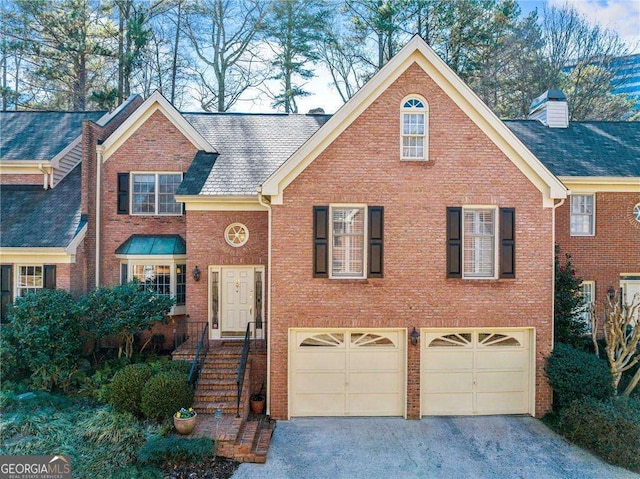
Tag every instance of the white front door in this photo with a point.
(238, 301)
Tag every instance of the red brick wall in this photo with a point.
(63, 276)
(614, 249)
(22, 179)
(363, 166)
(156, 146)
(78, 273)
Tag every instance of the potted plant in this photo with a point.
(257, 401)
(185, 420)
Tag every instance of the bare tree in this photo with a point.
(223, 34)
(621, 328)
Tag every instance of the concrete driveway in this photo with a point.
(439, 447)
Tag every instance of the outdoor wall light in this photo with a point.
(415, 336)
(196, 273)
(611, 292)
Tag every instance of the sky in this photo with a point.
(620, 16)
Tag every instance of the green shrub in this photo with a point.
(164, 395)
(44, 337)
(174, 449)
(169, 366)
(610, 429)
(575, 374)
(125, 393)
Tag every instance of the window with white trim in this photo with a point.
(153, 193)
(30, 279)
(479, 243)
(414, 129)
(588, 294)
(582, 221)
(164, 277)
(348, 227)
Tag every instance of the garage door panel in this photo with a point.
(500, 381)
(499, 359)
(448, 382)
(312, 361)
(502, 403)
(374, 383)
(451, 359)
(449, 404)
(319, 404)
(374, 405)
(320, 382)
(375, 361)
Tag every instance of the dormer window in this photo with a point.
(414, 129)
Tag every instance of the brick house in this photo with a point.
(393, 259)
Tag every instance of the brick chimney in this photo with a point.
(551, 109)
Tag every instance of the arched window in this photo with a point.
(414, 127)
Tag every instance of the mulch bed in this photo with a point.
(216, 468)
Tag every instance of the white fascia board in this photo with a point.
(77, 239)
(417, 51)
(55, 161)
(152, 104)
(36, 255)
(24, 167)
(221, 202)
(602, 184)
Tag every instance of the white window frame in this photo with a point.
(424, 111)
(365, 236)
(18, 290)
(158, 260)
(156, 192)
(584, 314)
(496, 239)
(592, 231)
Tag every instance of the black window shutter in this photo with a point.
(507, 243)
(49, 276)
(321, 241)
(454, 242)
(6, 288)
(376, 236)
(123, 193)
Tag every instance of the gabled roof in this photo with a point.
(417, 51)
(250, 147)
(589, 148)
(197, 174)
(33, 217)
(156, 102)
(40, 135)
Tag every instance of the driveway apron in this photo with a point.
(501, 447)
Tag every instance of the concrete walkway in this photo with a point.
(501, 447)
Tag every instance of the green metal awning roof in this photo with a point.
(153, 245)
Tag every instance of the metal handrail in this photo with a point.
(196, 364)
(243, 365)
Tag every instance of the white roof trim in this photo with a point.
(18, 255)
(417, 51)
(55, 161)
(602, 184)
(155, 102)
(72, 248)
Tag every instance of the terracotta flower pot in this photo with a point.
(257, 406)
(185, 425)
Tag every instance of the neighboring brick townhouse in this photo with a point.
(395, 259)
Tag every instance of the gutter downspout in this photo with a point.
(267, 204)
(98, 171)
(553, 283)
(45, 179)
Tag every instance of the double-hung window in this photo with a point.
(348, 227)
(163, 277)
(414, 126)
(588, 293)
(479, 243)
(153, 193)
(30, 279)
(582, 215)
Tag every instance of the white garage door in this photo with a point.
(481, 371)
(347, 372)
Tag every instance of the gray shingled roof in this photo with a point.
(589, 148)
(251, 146)
(35, 217)
(39, 135)
(197, 173)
